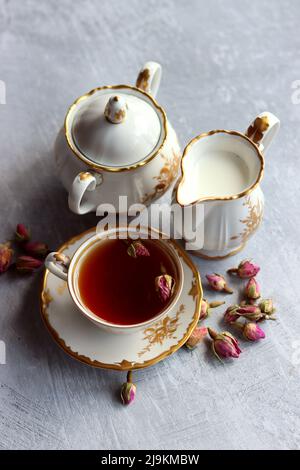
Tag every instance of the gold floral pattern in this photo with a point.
(166, 176)
(194, 291)
(253, 219)
(162, 330)
(61, 288)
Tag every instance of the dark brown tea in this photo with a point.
(120, 288)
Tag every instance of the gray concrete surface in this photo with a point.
(223, 62)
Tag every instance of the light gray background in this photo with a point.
(223, 63)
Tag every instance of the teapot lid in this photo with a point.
(115, 127)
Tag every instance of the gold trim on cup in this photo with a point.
(123, 365)
(114, 169)
(218, 198)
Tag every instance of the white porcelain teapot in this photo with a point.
(221, 174)
(116, 141)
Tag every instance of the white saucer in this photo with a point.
(85, 342)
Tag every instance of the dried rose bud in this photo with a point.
(218, 283)
(197, 335)
(267, 306)
(6, 254)
(253, 332)
(22, 233)
(251, 312)
(36, 248)
(164, 285)
(128, 390)
(231, 315)
(245, 269)
(206, 308)
(28, 264)
(252, 289)
(224, 344)
(136, 249)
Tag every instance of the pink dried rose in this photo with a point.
(253, 332)
(231, 315)
(164, 285)
(28, 264)
(128, 390)
(246, 269)
(206, 308)
(251, 312)
(224, 344)
(254, 313)
(218, 283)
(197, 335)
(252, 290)
(6, 254)
(36, 248)
(267, 306)
(137, 249)
(22, 233)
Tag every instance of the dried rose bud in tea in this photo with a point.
(137, 248)
(164, 285)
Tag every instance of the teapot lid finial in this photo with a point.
(116, 109)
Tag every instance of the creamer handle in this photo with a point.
(263, 130)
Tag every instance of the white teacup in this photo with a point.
(68, 270)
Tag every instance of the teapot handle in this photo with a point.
(263, 130)
(149, 78)
(85, 181)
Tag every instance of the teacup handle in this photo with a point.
(263, 130)
(149, 78)
(85, 181)
(58, 264)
